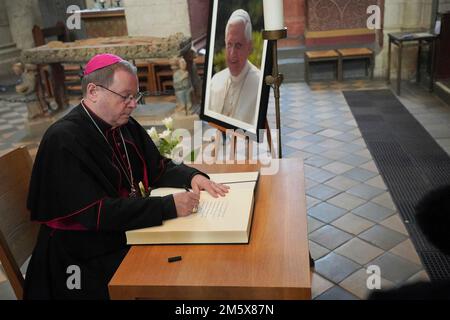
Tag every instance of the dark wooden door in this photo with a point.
(443, 49)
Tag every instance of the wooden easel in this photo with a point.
(220, 134)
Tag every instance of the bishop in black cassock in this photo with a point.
(80, 194)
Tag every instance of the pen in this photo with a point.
(173, 259)
(195, 209)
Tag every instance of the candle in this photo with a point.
(273, 14)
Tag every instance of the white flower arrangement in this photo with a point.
(165, 141)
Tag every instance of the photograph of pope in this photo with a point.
(234, 90)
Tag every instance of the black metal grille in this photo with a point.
(409, 159)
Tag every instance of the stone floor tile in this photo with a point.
(341, 183)
(309, 183)
(322, 192)
(319, 285)
(311, 201)
(334, 154)
(359, 174)
(294, 125)
(352, 223)
(318, 161)
(419, 276)
(346, 137)
(373, 212)
(313, 138)
(364, 153)
(356, 284)
(315, 149)
(406, 250)
(377, 182)
(331, 143)
(346, 201)
(336, 293)
(351, 147)
(326, 212)
(337, 167)
(395, 223)
(298, 144)
(313, 224)
(365, 191)
(335, 267)
(395, 268)
(370, 165)
(359, 251)
(360, 141)
(311, 128)
(317, 251)
(356, 132)
(351, 122)
(382, 237)
(298, 155)
(297, 134)
(355, 160)
(329, 237)
(330, 133)
(384, 200)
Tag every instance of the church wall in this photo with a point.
(402, 16)
(294, 20)
(444, 5)
(159, 18)
(338, 22)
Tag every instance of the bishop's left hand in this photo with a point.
(200, 182)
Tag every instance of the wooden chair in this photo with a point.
(163, 72)
(320, 56)
(41, 34)
(167, 86)
(143, 73)
(17, 233)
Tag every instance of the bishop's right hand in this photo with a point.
(185, 203)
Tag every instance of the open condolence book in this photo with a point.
(218, 220)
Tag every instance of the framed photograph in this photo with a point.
(235, 95)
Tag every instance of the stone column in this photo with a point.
(23, 15)
(5, 33)
(8, 50)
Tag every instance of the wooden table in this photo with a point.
(274, 265)
(421, 39)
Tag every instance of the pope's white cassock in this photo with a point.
(236, 97)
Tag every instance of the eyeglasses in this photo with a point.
(126, 99)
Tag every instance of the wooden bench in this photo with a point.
(356, 53)
(320, 56)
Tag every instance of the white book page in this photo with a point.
(234, 177)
